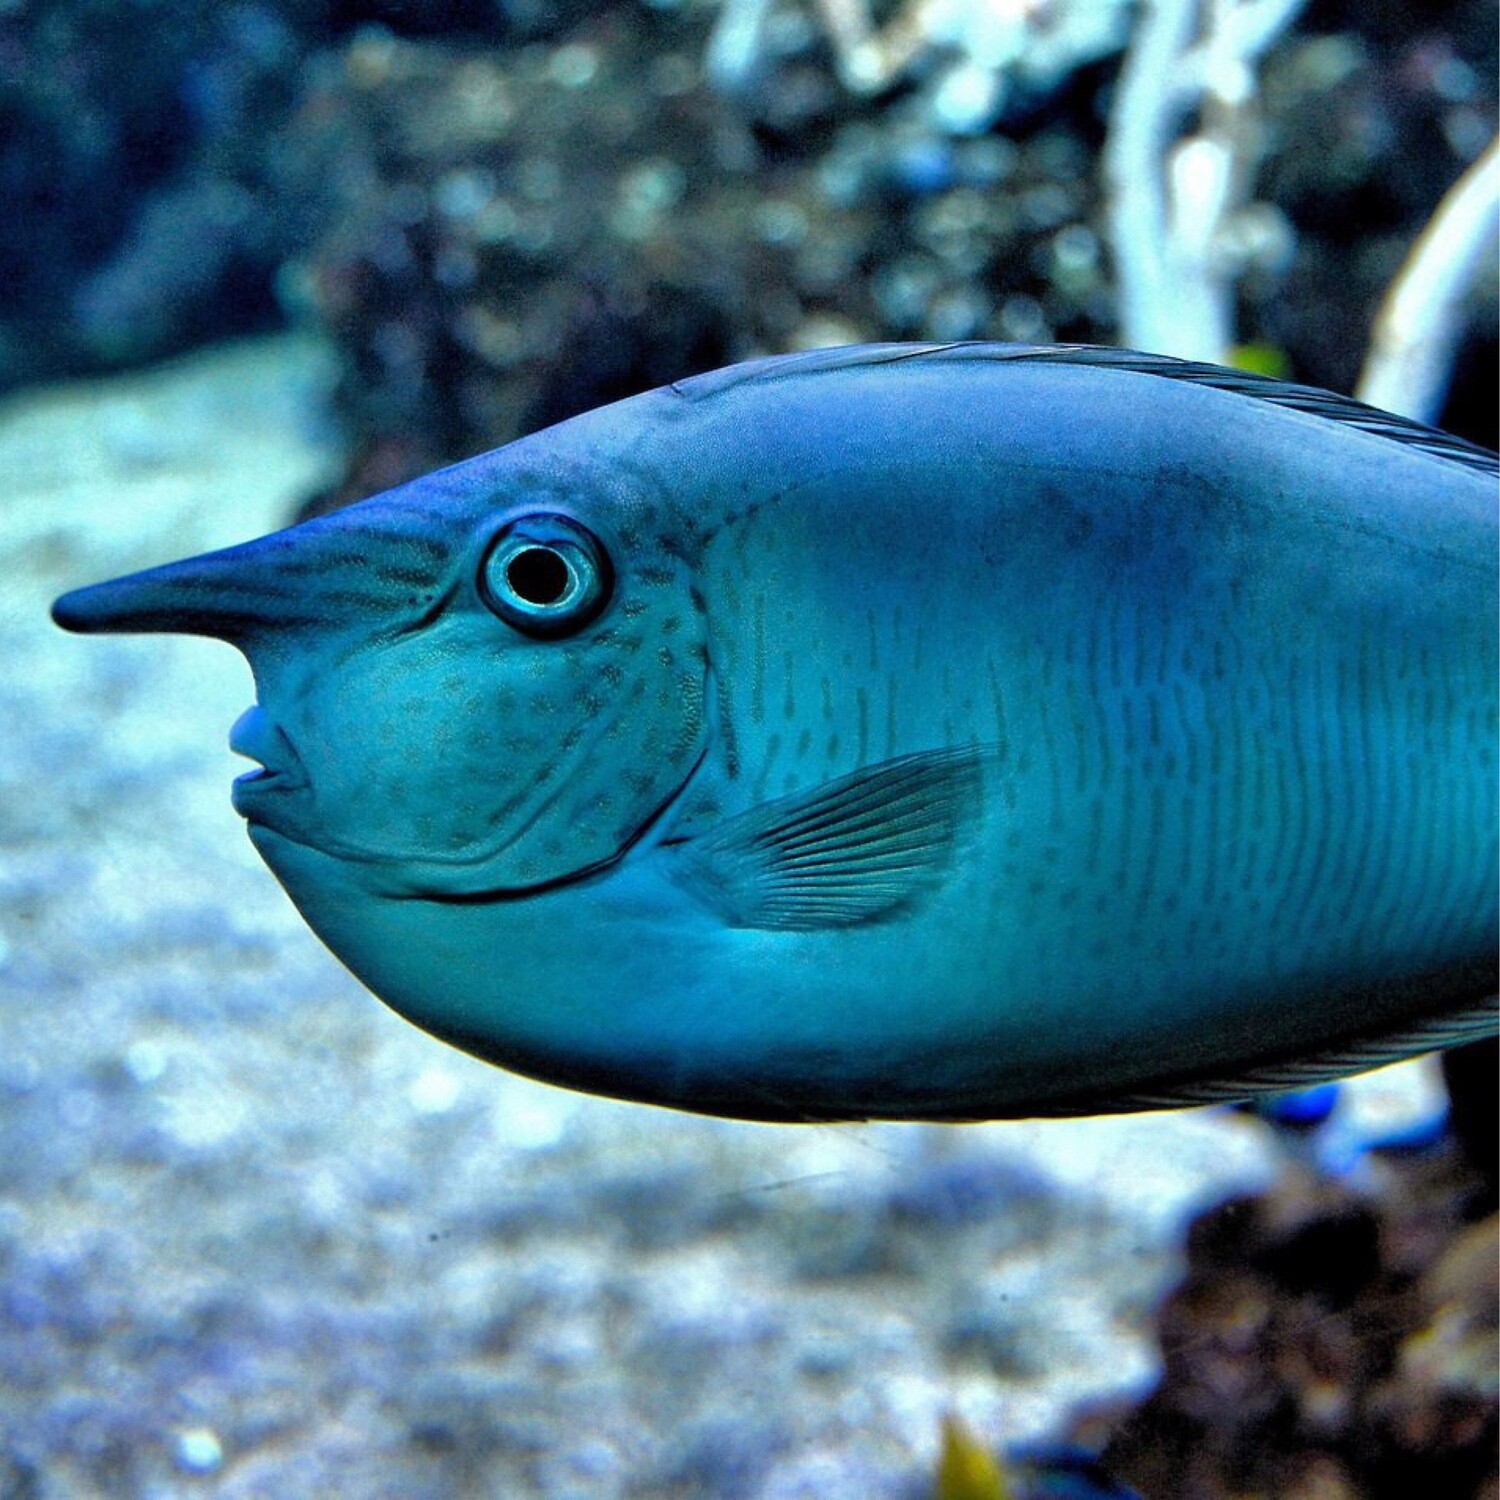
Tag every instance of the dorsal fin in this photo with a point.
(777, 367)
(1303, 398)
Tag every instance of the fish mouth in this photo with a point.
(258, 737)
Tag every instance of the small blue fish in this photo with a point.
(927, 731)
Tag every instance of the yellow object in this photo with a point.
(1261, 358)
(967, 1470)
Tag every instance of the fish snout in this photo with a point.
(231, 595)
(316, 575)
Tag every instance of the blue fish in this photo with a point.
(908, 731)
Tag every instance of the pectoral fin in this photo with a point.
(859, 849)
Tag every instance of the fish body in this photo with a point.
(902, 731)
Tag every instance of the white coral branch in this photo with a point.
(1411, 349)
(1172, 200)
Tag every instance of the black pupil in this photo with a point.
(537, 575)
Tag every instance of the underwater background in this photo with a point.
(259, 1237)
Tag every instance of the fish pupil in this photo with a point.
(537, 575)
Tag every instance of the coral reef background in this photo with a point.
(504, 213)
(257, 1237)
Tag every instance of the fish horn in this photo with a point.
(239, 594)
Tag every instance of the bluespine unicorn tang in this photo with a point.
(907, 731)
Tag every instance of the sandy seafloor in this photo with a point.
(260, 1237)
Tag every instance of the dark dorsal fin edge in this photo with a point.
(1302, 398)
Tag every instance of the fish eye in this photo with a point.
(545, 575)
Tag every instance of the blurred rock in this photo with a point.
(525, 237)
(117, 123)
(1374, 110)
(150, 197)
(1327, 1342)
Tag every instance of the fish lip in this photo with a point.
(258, 737)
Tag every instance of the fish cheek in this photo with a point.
(435, 752)
(467, 761)
(382, 730)
(585, 747)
